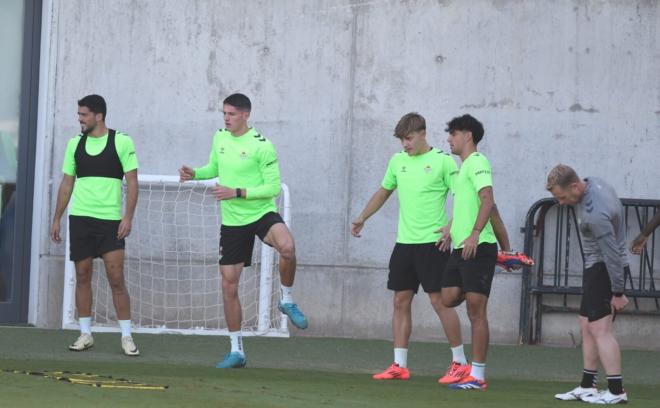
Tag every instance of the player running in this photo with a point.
(248, 173)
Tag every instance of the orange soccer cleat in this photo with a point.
(455, 373)
(507, 260)
(394, 372)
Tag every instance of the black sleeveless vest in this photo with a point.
(104, 164)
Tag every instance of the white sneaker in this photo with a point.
(85, 341)
(577, 394)
(606, 397)
(130, 349)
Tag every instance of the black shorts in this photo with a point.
(472, 275)
(597, 292)
(92, 237)
(412, 264)
(237, 242)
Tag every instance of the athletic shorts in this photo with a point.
(597, 292)
(415, 264)
(237, 242)
(472, 275)
(92, 237)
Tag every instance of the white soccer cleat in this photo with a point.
(606, 397)
(577, 394)
(130, 349)
(85, 341)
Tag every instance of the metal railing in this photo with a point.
(554, 283)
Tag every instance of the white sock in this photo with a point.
(287, 295)
(85, 325)
(236, 342)
(458, 354)
(478, 371)
(125, 326)
(401, 357)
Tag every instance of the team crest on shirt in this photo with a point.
(243, 155)
(222, 150)
(403, 169)
(428, 168)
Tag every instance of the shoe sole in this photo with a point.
(132, 354)
(224, 368)
(82, 349)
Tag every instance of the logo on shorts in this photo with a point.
(427, 169)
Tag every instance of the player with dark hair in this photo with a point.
(248, 173)
(96, 161)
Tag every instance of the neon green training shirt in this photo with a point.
(473, 175)
(248, 161)
(99, 197)
(423, 182)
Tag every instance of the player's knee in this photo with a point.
(229, 288)
(402, 302)
(287, 251)
(83, 278)
(117, 285)
(452, 301)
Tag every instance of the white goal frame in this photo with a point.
(265, 283)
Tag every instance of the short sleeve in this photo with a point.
(389, 180)
(450, 172)
(480, 173)
(126, 153)
(69, 164)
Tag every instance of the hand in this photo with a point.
(470, 246)
(618, 303)
(356, 227)
(444, 241)
(638, 244)
(55, 231)
(224, 193)
(124, 228)
(186, 174)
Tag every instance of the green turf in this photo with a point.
(296, 372)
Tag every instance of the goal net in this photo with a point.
(171, 268)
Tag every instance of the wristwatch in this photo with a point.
(617, 294)
(238, 193)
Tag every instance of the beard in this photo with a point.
(88, 130)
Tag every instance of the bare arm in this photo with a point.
(131, 202)
(499, 229)
(487, 202)
(63, 198)
(639, 242)
(375, 202)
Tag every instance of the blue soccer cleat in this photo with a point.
(232, 360)
(295, 315)
(469, 383)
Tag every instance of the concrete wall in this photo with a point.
(560, 81)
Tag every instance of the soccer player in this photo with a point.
(95, 162)
(423, 176)
(601, 220)
(638, 243)
(248, 173)
(471, 266)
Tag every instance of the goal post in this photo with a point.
(171, 268)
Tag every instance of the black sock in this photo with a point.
(589, 378)
(615, 384)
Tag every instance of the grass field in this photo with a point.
(296, 372)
